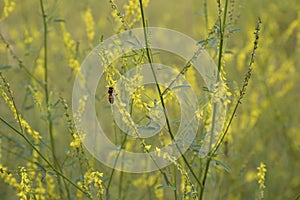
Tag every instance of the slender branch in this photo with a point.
(222, 24)
(161, 94)
(18, 60)
(46, 89)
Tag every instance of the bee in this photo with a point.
(111, 97)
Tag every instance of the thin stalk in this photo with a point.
(161, 94)
(115, 163)
(175, 182)
(222, 24)
(46, 89)
(241, 96)
(205, 14)
(222, 33)
(45, 39)
(18, 60)
(120, 185)
(42, 156)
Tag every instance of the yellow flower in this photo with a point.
(261, 174)
(71, 49)
(148, 147)
(132, 14)
(91, 179)
(25, 185)
(250, 176)
(13, 109)
(89, 23)
(8, 8)
(28, 39)
(76, 141)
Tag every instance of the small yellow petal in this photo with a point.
(148, 147)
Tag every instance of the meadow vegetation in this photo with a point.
(254, 45)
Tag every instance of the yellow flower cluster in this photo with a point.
(9, 6)
(71, 50)
(147, 147)
(37, 96)
(36, 135)
(89, 23)
(132, 14)
(185, 188)
(77, 137)
(91, 179)
(28, 38)
(40, 190)
(136, 96)
(35, 175)
(76, 142)
(225, 87)
(51, 187)
(186, 184)
(126, 115)
(261, 174)
(134, 82)
(17, 116)
(111, 73)
(159, 193)
(25, 185)
(8, 178)
(146, 180)
(39, 70)
(24, 188)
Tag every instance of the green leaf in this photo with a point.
(59, 20)
(56, 103)
(202, 42)
(172, 188)
(155, 52)
(229, 52)
(52, 174)
(181, 86)
(224, 166)
(43, 178)
(40, 166)
(166, 178)
(4, 67)
(205, 89)
(165, 186)
(235, 30)
(132, 43)
(161, 187)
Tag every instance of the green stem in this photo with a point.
(50, 128)
(222, 25)
(120, 184)
(115, 163)
(161, 94)
(46, 89)
(175, 182)
(205, 14)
